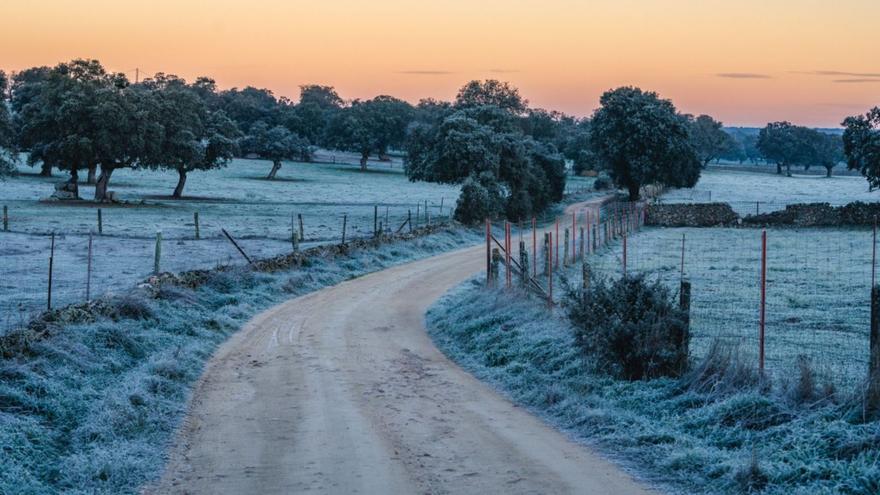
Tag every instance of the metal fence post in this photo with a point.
(51, 265)
(89, 272)
(762, 320)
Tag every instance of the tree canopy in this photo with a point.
(276, 144)
(370, 127)
(491, 92)
(8, 154)
(709, 139)
(861, 144)
(640, 139)
(485, 148)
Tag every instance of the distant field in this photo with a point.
(747, 192)
(238, 198)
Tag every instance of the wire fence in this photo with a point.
(88, 252)
(817, 286)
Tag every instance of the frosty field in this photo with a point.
(257, 212)
(748, 192)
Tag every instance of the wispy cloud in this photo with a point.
(844, 74)
(425, 72)
(743, 75)
(504, 71)
(857, 81)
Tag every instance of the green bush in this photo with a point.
(480, 199)
(630, 329)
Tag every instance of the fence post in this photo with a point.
(507, 254)
(344, 225)
(872, 400)
(523, 264)
(565, 251)
(556, 265)
(196, 221)
(51, 265)
(301, 230)
(488, 253)
(548, 257)
(684, 303)
(387, 225)
(441, 205)
(573, 236)
(496, 260)
(100, 223)
(409, 219)
(5, 218)
(550, 277)
(535, 246)
(294, 238)
(682, 256)
(380, 229)
(89, 272)
(761, 320)
(585, 274)
(418, 211)
(375, 220)
(874, 254)
(158, 253)
(583, 254)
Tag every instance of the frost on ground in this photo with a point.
(744, 190)
(680, 434)
(91, 408)
(260, 214)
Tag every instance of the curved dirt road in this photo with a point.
(342, 391)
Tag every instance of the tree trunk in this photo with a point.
(103, 181)
(828, 172)
(633, 192)
(779, 169)
(93, 168)
(74, 181)
(276, 166)
(181, 181)
(788, 169)
(364, 157)
(45, 170)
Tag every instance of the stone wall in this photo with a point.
(691, 215)
(818, 215)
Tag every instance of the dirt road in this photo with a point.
(342, 391)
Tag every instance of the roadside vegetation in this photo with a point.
(718, 428)
(90, 404)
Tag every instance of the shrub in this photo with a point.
(481, 198)
(132, 307)
(630, 328)
(602, 182)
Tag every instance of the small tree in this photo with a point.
(8, 155)
(481, 198)
(641, 139)
(274, 144)
(861, 145)
(370, 127)
(786, 145)
(709, 139)
(631, 329)
(827, 150)
(193, 136)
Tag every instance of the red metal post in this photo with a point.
(507, 244)
(763, 300)
(488, 253)
(573, 236)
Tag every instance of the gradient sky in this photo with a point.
(745, 62)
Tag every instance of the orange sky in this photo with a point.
(743, 61)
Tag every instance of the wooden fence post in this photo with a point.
(523, 264)
(89, 271)
(100, 223)
(375, 220)
(294, 238)
(872, 399)
(344, 225)
(158, 253)
(51, 266)
(496, 261)
(583, 254)
(761, 319)
(196, 221)
(565, 252)
(5, 218)
(302, 235)
(409, 219)
(548, 257)
(684, 304)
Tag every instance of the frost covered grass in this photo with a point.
(91, 408)
(718, 430)
(743, 189)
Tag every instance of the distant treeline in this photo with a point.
(510, 158)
